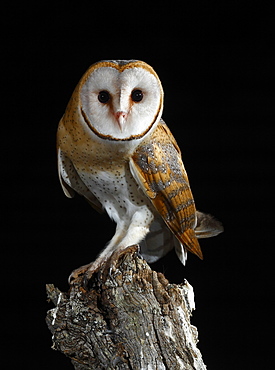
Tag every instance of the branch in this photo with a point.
(128, 317)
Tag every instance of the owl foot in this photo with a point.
(84, 272)
(105, 266)
(78, 273)
(112, 262)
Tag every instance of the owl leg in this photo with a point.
(127, 234)
(137, 228)
(94, 266)
(136, 232)
(133, 236)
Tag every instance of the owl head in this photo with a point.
(120, 100)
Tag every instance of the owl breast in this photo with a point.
(106, 173)
(117, 191)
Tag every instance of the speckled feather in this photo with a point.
(159, 170)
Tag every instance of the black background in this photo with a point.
(216, 63)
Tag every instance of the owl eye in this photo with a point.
(137, 95)
(103, 97)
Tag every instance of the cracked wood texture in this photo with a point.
(127, 317)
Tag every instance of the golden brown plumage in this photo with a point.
(159, 170)
(114, 149)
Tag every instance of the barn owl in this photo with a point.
(116, 151)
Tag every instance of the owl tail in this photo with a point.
(190, 241)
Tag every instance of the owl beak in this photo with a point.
(121, 118)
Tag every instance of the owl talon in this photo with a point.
(79, 273)
(85, 280)
(139, 252)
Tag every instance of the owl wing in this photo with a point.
(207, 226)
(158, 169)
(71, 182)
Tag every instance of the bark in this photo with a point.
(128, 317)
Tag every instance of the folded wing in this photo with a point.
(158, 169)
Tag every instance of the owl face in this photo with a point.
(121, 100)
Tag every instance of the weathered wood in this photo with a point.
(129, 317)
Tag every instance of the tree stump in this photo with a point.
(128, 317)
